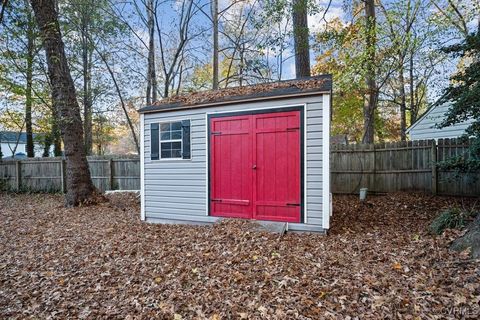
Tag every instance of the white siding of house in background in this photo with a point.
(175, 191)
(425, 127)
(38, 149)
(21, 149)
(7, 152)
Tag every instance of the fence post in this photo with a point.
(110, 178)
(62, 176)
(374, 185)
(434, 167)
(18, 176)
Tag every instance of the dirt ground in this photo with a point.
(102, 262)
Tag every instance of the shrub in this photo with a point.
(452, 218)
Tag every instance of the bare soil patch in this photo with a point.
(102, 262)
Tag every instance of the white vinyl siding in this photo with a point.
(425, 128)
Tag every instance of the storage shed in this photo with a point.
(255, 152)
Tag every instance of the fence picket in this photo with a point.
(383, 167)
(48, 174)
(401, 166)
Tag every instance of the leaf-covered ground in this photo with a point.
(102, 262)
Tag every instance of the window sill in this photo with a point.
(169, 160)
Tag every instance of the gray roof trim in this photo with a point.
(272, 95)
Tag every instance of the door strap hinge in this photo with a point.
(216, 133)
(292, 129)
(216, 200)
(293, 204)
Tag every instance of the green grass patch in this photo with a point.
(451, 218)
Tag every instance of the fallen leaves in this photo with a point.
(177, 317)
(397, 266)
(103, 262)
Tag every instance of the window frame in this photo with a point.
(173, 140)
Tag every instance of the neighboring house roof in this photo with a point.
(19, 155)
(425, 126)
(424, 115)
(12, 137)
(264, 91)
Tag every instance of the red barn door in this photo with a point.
(230, 169)
(255, 166)
(277, 157)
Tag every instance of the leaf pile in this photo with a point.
(102, 262)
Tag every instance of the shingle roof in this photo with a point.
(12, 136)
(265, 91)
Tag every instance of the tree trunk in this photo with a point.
(215, 44)
(151, 73)
(29, 75)
(371, 87)
(79, 183)
(470, 239)
(87, 102)
(56, 136)
(87, 80)
(166, 87)
(403, 103)
(3, 7)
(241, 53)
(47, 143)
(57, 144)
(413, 106)
(300, 38)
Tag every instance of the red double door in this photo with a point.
(255, 166)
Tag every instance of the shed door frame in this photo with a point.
(301, 109)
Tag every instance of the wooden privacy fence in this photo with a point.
(384, 167)
(48, 174)
(400, 166)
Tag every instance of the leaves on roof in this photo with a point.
(202, 97)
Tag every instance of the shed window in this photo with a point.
(171, 149)
(171, 131)
(171, 140)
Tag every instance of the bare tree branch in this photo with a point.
(2, 10)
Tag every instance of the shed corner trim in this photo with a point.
(142, 167)
(326, 162)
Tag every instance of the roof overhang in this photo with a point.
(180, 106)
